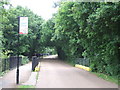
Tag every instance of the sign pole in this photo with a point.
(17, 76)
(22, 29)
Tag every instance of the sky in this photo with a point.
(43, 8)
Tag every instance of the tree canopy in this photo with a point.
(78, 30)
(89, 30)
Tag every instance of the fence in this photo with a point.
(0, 65)
(83, 61)
(9, 63)
(5, 64)
(13, 61)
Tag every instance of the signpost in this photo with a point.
(22, 29)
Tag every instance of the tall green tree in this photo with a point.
(90, 30)
(3, 18)
(103, 34)
(48, 32)
(29, 44)
(66, 33)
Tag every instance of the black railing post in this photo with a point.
(5, 65)
(17, 79)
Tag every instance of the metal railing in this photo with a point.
(13, 61)
(9, 63)
(82, 61)
(4, 65)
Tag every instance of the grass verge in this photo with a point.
(3, 73)
(70, 62)
(26, 86)
(108, 78)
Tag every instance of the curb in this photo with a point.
(37, 68)
(33, 77)
(83, 67)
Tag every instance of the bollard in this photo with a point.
(35, 61)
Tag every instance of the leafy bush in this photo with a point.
(25, 60)
(91, 30)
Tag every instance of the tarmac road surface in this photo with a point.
(58, 74)
(9, 80)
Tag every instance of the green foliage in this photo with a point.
(26, 86)
(25, 60)
(49, 50)
(3, 73)
(47, 33)
(29, 44)
(65, 33)
(78, 29)
(108, 78)
(89, 29)
(3, 18)
(105, 38)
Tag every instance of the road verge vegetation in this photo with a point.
(26, 86)
(113, 79)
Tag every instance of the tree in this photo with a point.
(29, 44)
(104, 35)
(3, 18)
(90, 30)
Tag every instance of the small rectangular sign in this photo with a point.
(23, 25)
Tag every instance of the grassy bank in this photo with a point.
(26, 86)
(108, 78)
(70, 62)
(3, 73)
